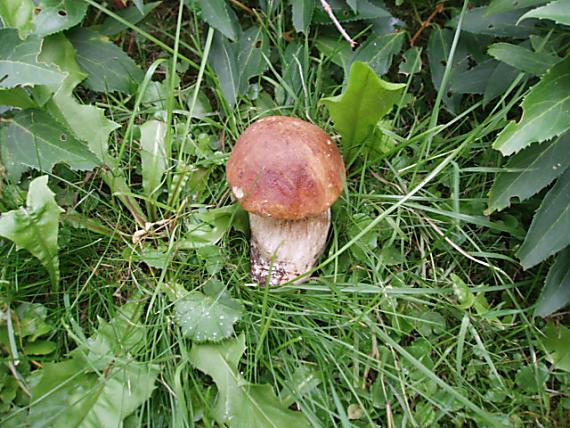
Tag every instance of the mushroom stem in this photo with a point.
(286, 249)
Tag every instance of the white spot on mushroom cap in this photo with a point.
(238, 192)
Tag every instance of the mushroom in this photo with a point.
(286, 173)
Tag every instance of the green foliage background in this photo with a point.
(131, 302)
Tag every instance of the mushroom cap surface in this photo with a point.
(285, 168)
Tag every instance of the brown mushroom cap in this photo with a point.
(285, 168)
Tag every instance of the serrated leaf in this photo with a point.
(556, 292)
(557, 343)
(548, 231)
(302, 14)
(32, 139)
(16, 97)
(108, 66)
(207, 228)
(87, 122)
(478, 21)
(354, 10)
(19, 65)
(557, 11)
(529, 171)
(221, 16)
(153, 155)
(58, 50)
(523, 59)
(74, 397)
(97, 390)
(208, 317)
(17, 14)
(240, 404)
(123, 334)
(498, 6)
(545, 112)
(532, 379)
(379, 51)
(35, 227)
(58, 15)
(358, 109)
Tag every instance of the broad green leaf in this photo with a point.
(221, 16)
(523, 59)
(224, 62)
(16, 97)
(557, 11)
(439, 47)
(40, 347)
(295, 69)
(358, 109)
(379, 51)
(337, 50)
(353, 10)
(474, 80)
(32, 139)
(32, 317)
(131, 14)
(499, 81)
(548, 231)
(532, 379)
(411, 61)
(58, 15)
(153, 155)
(251, 47)
(545, 114)
(477, 21)
(208, 316)
(123, 334)
(109, 68)
(557, 343)
(87, 122)
(302, 14)
(19, 65)
(207, 228)
(556, 292)
(529, 171)
(82, 392)
(498, 6)
(59, 51)
(35, 226)
(240, 404)
(70, 395)
(235, 63)
(17, 14)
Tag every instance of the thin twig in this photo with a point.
(328, 9)
(243, 6)
(425, 24)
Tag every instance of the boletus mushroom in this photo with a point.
(286, 173)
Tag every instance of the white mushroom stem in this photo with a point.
(286, 249)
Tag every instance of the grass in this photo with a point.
(379, 336)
